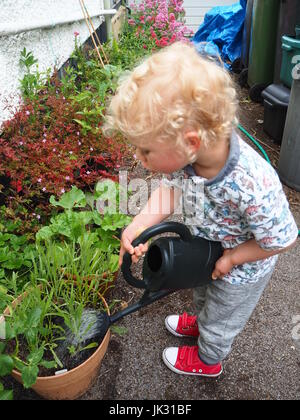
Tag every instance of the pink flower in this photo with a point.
(172, 17)
(76, 33)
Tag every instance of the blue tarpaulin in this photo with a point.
(221, 33)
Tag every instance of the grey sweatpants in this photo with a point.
(223, 310)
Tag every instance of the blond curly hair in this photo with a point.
(174, 90)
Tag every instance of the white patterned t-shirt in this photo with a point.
(244, 201)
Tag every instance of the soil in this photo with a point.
(68, 361)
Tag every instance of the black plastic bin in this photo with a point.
(243, 77)
(289, 17)
(276, 101)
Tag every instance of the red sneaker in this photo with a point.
(186, 361)
(182, 325)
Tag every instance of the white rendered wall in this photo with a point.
(51, 46)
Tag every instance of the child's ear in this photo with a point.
(192, 140)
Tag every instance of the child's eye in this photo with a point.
(145, 152)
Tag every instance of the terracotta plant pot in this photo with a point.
(74, 383)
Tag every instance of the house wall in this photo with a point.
(52, 46)
(196, 10)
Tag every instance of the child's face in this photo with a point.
(162, 158)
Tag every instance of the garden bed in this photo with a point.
(53, 155)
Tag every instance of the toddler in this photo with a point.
(180, 111)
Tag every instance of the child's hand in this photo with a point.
(224, 265)
(129, 234)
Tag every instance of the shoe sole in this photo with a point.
(180, 372)
(170, 329)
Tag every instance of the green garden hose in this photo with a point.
(259, 147)
(256, 143)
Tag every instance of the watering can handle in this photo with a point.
(166, 227)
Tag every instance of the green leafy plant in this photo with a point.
(100, 83)
(6, 367)
(80, 218)
(33, 81)
(25, 324)
(16, 252)
(65, 279)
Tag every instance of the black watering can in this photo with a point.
(170, 264)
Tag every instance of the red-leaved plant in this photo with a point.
(43, 150)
